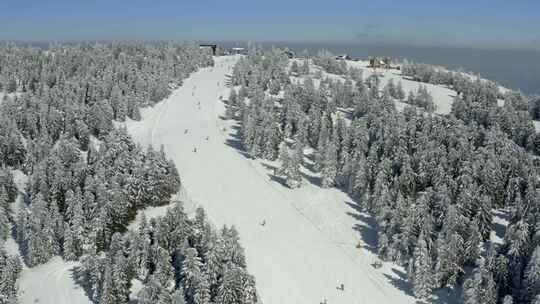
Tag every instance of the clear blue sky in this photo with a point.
(479, 23)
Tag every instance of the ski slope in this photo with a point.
(307, 246)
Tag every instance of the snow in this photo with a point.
(136, 287)
(500, 223)
(152, 212)
(442, 96)
(50, 283)
(536, 124)
(308, 245)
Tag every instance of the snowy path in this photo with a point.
(306, 249)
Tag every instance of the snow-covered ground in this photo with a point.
(442, 96)
(500, 223)
(50, 283)
(536, 124)
(308, 245)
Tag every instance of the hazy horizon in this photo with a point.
(494, 24)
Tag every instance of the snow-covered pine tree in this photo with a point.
(400, 93)
(191, 272)
(532, 274)
(10, 268)
(178, 296)
(202, 292)
(232, 104)
(422, 274)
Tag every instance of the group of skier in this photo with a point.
(195, 148)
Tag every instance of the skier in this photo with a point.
(185, 131)
(263, 223)
(341, 287)
(207, 137)
(195, 150)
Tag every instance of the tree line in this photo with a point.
(87, 178)
(431, 181)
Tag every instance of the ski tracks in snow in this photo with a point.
(298, 256)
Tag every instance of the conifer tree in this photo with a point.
(532, 274)
(422, 275)
(330, 165)
(178, 296)
(191, 272)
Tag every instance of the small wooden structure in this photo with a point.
(289, 53)
(212, 47)
(343, 57)
(381, 62)
(238, 51)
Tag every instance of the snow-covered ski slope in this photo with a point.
(306, 248)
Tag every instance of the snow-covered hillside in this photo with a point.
(300, 244)
(52, 282)
(442, 96)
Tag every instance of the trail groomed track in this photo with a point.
(306, 248)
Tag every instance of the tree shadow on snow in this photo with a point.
(269, 167)
(314, 180)
(499, 228)
(79, 279)
(367, 228)
(236, 143)
(278, 179)
(439, 296)
(400, 282)
(347, 113)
